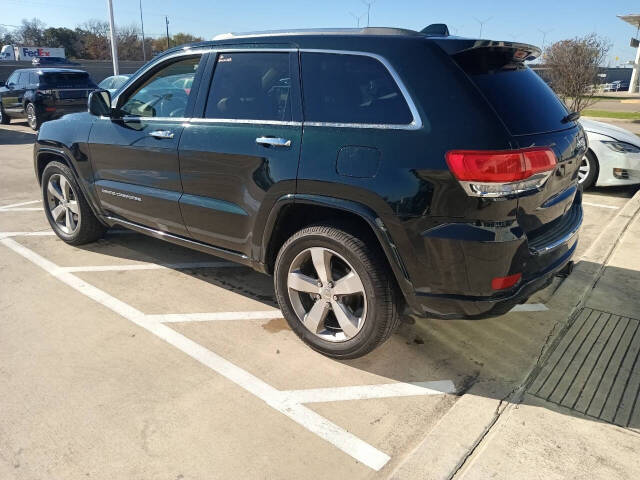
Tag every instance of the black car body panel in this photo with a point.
(224, 185)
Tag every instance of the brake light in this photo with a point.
(496, 173)
(500, 283)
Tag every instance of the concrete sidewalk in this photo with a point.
(577, 413)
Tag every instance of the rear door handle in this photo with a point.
(160, 134)
(273, 142)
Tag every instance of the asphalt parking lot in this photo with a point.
(133, 358)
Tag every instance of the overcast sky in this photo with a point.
(507, 19)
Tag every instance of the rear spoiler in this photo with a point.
(518, 52)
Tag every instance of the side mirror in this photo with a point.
(100, 103)
(1, 83)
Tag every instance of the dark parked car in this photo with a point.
(41, 94)
(51, 61)
(374, 172)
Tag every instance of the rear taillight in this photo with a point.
(496, 173)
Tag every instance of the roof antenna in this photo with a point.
(436, 30)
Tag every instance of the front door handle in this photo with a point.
(273, 142)
(160, 134)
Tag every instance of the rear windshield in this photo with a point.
(67, 80)
(524, 102)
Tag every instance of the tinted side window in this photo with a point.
(13, 78)
(351, 89)
(251, 86)
(33, 78)
(165, 93)
(23, 79)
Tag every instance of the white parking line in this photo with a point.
(364, 392)
(150, 266)
(31, 202)
(600, 205)
(22, 209)
(215, 316)
(325, 429)
(27, 234)
(530, 307)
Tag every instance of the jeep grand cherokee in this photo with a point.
(373, 172)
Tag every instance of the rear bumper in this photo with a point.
(538, 258)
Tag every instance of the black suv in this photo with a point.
(374, 172)
(41, 94)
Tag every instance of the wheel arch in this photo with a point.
(46, 155)
(294, 212)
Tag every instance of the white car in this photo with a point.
(613, 157)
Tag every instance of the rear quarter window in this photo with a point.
(351, 89)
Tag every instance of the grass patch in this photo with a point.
(608, 114)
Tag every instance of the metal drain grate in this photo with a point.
(595, 369)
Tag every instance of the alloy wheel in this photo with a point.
(31, 116)
(585, 168)
(62, 202)
(327, 294)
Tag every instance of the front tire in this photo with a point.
(588, 170)
(33, 119)
(66, 209)
(4, 119)
(335, 291)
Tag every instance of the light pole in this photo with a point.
(357, 18)
(482, 22)
(368, 4)
(166, 20)
(544, 35)
(114, 46)
(144, 53)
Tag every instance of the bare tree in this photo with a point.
(573, 69)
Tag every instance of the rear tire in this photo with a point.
(588, 172)
(358, 292)
(33, 119)
(4, 119)
(66, 209)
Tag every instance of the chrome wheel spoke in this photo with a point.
(57, 213)
(314, 319)
(69, 221)
(321, 258)
(347, 321)
(51, 188)
(64, 186)
(303, 283)
(73, 206)
(348, 285)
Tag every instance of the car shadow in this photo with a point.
(491, 358)
(16, 137)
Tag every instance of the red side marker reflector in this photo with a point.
(50, 109)
(500, 283)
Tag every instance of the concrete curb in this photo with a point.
(448, 449)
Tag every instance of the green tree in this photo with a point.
(62, 37)
(30, 32)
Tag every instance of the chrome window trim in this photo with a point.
(196, 120)
(415, 124)
(132, 118)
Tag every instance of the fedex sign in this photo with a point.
(27, 53)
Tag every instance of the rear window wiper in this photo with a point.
(572, 117)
